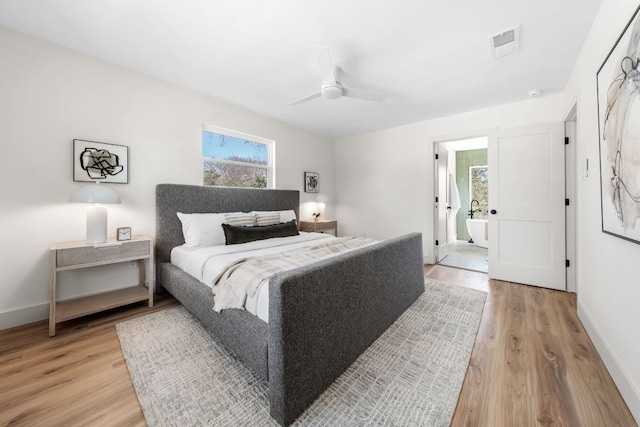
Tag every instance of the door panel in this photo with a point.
(526, 161)
(526, 189)
(534, 235)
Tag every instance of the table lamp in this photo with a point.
(97, 195)
(321, 200)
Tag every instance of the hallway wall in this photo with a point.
(606, 266)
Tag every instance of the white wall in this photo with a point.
(386, 178)
(607, 267)
(48, 97)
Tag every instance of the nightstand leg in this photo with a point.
(151, 274)
(52, 293)
(141, 271)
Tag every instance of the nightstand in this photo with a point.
(320, 226)
(74, 255)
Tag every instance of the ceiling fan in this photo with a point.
(331, 88)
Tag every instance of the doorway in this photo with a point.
(462, 203)
(526, 221)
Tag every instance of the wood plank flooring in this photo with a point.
(532, 362)
(532, 365)
(77, 378)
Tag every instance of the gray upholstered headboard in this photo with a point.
(172, 198)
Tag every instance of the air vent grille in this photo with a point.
(505, 42)
(503, 38)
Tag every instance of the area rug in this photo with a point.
(411, 375)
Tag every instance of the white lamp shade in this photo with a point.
(94, 193)
(322, 198)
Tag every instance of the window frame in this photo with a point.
(270, 144)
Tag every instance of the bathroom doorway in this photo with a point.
(462, 239)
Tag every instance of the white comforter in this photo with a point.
(207, 263)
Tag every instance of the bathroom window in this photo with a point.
(234, 159)
(479, 190)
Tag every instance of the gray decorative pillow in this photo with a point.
(235, 235)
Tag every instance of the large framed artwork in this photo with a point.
(98, 161)
(618, 81)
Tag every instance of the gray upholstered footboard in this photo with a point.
(323, 316)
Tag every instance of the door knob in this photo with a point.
(493, 211)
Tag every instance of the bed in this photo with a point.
(321, 316)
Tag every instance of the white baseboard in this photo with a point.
(621, 377)
(22, 316)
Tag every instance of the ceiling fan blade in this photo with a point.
(306, 98)
(363, 94)
(327, 69)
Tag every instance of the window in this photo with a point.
(234, 159)
(479, 190)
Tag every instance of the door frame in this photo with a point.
(434, 150)
(443, 246)
(571, 175)
(570, 178)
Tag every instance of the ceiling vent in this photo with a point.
(506, 42)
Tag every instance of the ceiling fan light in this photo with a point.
(332, 91)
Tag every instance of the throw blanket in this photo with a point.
(243, 277)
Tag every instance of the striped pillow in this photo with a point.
(240, 219)
(267, 218)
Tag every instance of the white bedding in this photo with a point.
(207, 263)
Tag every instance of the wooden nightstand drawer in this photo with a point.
(89, 254)
(319, 226)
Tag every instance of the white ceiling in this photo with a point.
(431, 58)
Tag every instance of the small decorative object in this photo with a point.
(97, 161)
(124, 233)
(311, 182)
(618, 82)
(315, 216)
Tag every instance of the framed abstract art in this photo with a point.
(311, 182)
(618, 86)
(98, 161)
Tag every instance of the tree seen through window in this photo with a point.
(233, 161)
(479, 190)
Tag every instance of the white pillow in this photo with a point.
(273, 217)
(202, 229)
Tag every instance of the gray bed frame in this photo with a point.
(321, 317)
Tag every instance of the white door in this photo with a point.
(442, 211)
(527, 206)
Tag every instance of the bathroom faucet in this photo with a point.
(473, 211)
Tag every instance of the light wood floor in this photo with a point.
(532, 365)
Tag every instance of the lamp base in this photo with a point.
(96, 224)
